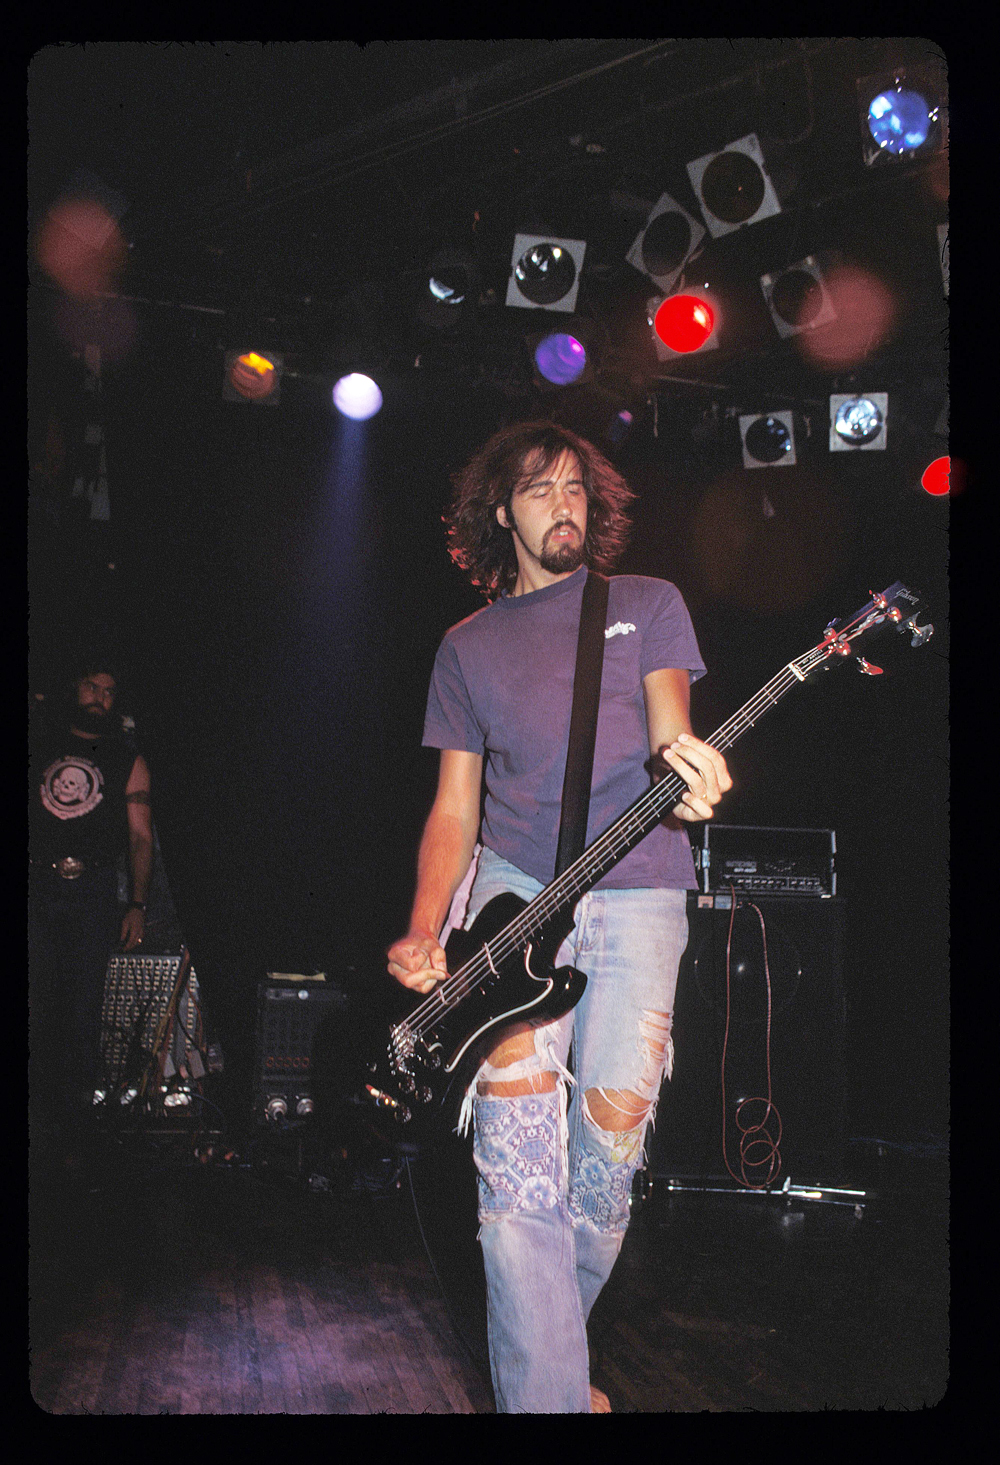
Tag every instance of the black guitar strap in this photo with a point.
(583, 721)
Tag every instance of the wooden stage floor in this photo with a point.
(162, 1285)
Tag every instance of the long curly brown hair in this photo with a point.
(477, 542)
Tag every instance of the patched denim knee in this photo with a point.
(604, 1167)
(520, 1153)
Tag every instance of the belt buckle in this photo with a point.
(69, 868)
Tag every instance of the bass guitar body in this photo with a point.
(432, 1055)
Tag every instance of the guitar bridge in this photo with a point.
(402, 1044)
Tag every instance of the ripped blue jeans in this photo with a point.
(554, 1185)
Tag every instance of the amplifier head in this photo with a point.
(767, 861)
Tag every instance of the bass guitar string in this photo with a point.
(549, 902)
(635, 821)
(580, 875)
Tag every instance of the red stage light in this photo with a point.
(941, 477)
(684, 322)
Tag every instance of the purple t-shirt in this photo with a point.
(502, 686)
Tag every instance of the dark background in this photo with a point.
(276, 578)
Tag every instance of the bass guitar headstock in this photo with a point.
(896, 606)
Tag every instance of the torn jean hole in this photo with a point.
(544, 1059)
(609, 1154)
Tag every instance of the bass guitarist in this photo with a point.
(559, 1108)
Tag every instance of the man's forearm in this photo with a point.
(141, 868)
(446, 849)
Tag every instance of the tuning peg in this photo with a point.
(920, 633)
(868, 669)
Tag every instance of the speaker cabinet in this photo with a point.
(290, 1031)
(791, 1040)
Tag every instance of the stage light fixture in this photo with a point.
(899, 120)
(902, 114)
(560, 359)
(798, 298)
(666, 242)
(768, 440)
(685, 323)
(253, 376)
(565, 356)
(620, 426)
(936, 477)
(858, 422)
(545, 272)
(733, 186)
(448, 292)
(356, 396)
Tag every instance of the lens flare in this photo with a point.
(865, 311)
(81, 247)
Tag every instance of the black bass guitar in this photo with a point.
(501, 970)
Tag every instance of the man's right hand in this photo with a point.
(418, 961)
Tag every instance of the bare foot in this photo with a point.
(599, 1403)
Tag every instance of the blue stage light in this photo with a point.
(899, 121)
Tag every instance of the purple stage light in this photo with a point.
(560, 359)
(357, 396)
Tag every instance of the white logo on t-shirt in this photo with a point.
(620, 628)
(71, 787)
